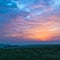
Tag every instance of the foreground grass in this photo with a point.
(31, 53)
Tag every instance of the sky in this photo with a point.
(29, 21)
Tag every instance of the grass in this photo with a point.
(46, 52)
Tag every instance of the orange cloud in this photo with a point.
(43, 28)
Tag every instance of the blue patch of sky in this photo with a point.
(11, 8)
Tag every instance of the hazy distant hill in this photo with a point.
(7, 45)
(30, 46)
(2, 45)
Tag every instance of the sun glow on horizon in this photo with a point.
(39, 30)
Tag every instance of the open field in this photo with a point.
(33, 52)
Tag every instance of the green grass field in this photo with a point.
(46, 52)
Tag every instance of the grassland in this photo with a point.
(45, 52)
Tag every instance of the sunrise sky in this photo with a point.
(29, 21)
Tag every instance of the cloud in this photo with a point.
(43, 27)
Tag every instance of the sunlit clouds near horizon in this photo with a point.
(30, 19)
